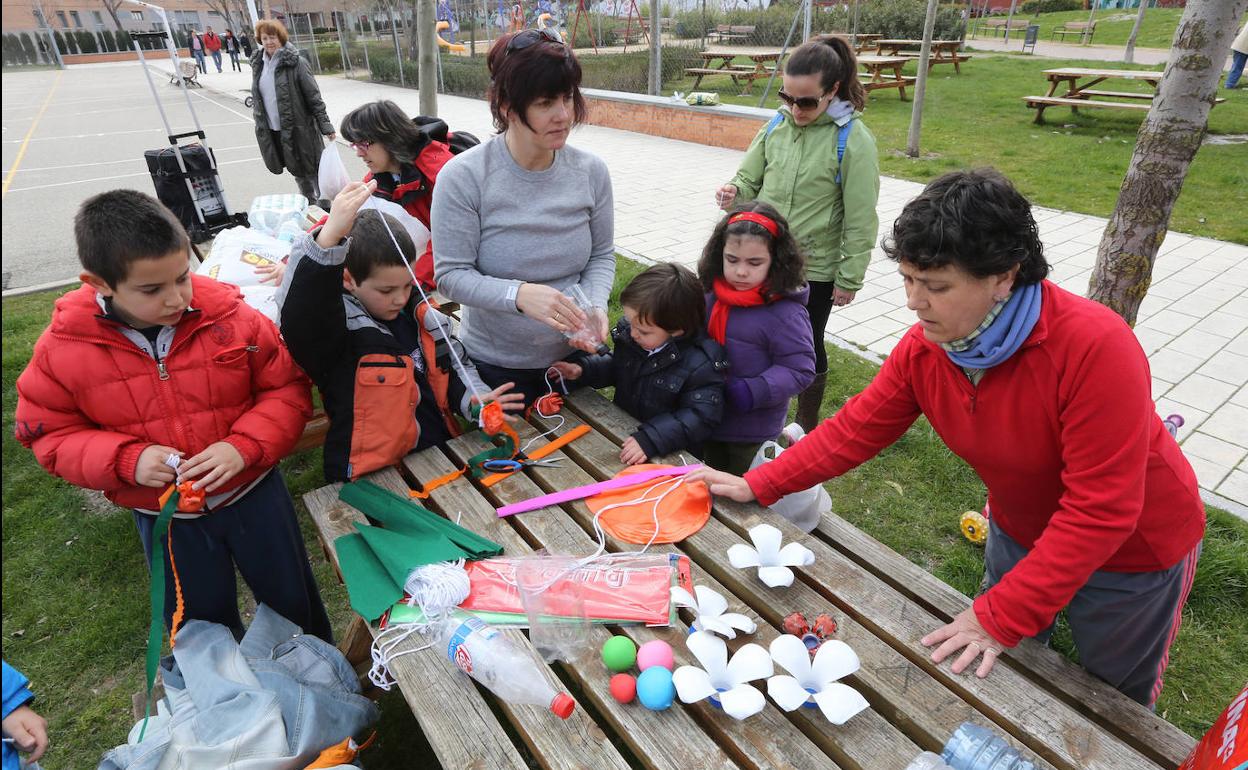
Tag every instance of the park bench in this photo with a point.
(998, 27)
(724, 33)
(1079, 28)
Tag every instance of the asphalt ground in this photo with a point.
(70, 134)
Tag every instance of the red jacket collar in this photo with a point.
(77, 313)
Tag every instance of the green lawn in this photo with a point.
(1074, 162)
(75, 597)
(1113, 26)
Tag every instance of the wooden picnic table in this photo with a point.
(942, 51)
(719, 62)
(1080, 83)
(884, 72)
(1053, 711)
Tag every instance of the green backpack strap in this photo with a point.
(156, 633)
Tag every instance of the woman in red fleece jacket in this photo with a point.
(1047, 396)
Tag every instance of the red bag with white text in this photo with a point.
(1225, 746)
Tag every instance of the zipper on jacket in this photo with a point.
(160, 367)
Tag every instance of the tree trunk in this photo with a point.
(112, 11)
(427, 77)
(1128, 56)
(1008, 20)
(1167, 142)
(920, 84)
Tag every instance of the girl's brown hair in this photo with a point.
(788, 266)
(833, 60)
(521, 76)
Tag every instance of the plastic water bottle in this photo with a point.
(1173, 423)
(586, 332)
(928, 761)
(977, 748)
(289, 231)
(481, 652)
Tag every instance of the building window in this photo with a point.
(136, 15)
(39, 18)
(77, 19)
(63, 19)
(99, 18)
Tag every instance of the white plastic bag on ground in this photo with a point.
(804, 508)
(414, 227)
(269, 212)
(332, 176)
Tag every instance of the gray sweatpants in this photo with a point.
(1123, 622)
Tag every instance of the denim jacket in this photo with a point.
(275, 700)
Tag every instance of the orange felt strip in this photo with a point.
(179, 606)
(542, 451)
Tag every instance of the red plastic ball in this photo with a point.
(623, 688)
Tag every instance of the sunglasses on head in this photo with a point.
(524, 39)
(801, 102)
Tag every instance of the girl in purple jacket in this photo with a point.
(753, 273)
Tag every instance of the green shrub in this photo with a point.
(1033, 7)
(29, 49)
(11, 47)
(86, 42)
(465, 77)
(384, 66)
(330, 55)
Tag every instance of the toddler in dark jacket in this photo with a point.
(666, 371)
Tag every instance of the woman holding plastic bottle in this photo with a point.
(523, 220)
(1047, 396)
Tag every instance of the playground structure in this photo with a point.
(444, 43)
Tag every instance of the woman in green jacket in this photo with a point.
(816, 162)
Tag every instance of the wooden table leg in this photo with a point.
(901, 83)
(356, 644)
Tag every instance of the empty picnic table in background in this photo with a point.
(862, 42)
(942, 51)
(884, 72)
(1080, 82)
(764, 63)
(1053, 711)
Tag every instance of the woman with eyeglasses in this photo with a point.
(404, 156)
(816, 162)
(522, 219)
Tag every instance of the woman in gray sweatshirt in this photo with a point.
(522, 218)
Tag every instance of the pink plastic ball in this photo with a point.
(655, 653)
(623, 688)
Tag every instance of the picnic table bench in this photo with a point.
(1053, 711)
(726, 33)
(764, 64)
(884, 72)
(1079, 83)
(941, 52)
(999, 27)
(1080, 28)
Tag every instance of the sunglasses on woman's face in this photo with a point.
(361, 146)
(530, 36)
(801, 102)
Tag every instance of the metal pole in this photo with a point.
(920, 85)
(656, 53)
(342, 43)
(1083, 39)
(806, 22)
(56, 51)
(1008, 20)
(792, 27)
(853, 35)
(398, 55)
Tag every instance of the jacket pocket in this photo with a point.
(383, 425)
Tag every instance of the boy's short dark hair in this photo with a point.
(116, 228)
(668, 296)
(371, 246)
(975, 220)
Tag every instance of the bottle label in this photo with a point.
(457, 652)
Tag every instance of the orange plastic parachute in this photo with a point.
(681, 512)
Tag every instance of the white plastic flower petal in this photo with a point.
(710, 607)
(724, 681)
(773, 562)
(815, 680)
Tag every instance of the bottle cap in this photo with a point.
(563, 705)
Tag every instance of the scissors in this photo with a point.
(509, 466)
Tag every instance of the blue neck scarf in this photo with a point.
(1006, 334)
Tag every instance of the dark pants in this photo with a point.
(1123, 622)
(234, 61)
(199, 60)
(819, 306)
(307, 184)
(260, 535)
(730, 456)
(531, 382)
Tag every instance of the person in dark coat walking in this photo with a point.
(233, 48)
(666, 371)
(289, 112)
(245, 42)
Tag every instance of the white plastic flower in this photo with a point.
(773, 562)
(724, 681)
(710, 608)
(815, 680)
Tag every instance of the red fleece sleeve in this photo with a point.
(266, 432)
(1106, 417)
(869, 422)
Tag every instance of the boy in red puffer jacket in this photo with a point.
(147, 362)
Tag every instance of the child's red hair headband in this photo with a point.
(766, 223)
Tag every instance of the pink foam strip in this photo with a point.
(578, 493)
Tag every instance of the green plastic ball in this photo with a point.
(619, 653)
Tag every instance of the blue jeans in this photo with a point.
(216, 59)
(1238, 60)
(199, 59)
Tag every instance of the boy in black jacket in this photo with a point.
(379, 354)
(666, 371)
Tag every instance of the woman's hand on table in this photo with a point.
(724, 484)
(550, 306)
(966, 634)
(342, 213)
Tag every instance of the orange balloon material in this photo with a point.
(682, 511)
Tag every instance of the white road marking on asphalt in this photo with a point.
(118, 176)
(251, 146)
(156, 130)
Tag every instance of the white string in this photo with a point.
(446, 337)
(550, 390)
(383, 653)
(436, 588)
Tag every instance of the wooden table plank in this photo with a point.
(647, 734)
(439, 697)
(1047, 725)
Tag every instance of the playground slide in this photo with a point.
(453, 47)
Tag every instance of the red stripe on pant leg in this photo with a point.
(1189, 577)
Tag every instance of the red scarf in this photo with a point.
(726, 298)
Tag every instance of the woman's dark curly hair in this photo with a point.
(385, 123)
(788, 266)
(975, 220)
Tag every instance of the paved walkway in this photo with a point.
(1058, 50)
(1193, 324)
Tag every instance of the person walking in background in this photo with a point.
(212, 43)
(287, 107)
(817, 163)
(245, 42)
(197, 50)
(232, 47)
(1239, 57)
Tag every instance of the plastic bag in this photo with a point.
(332, 175)
(238, 251)
(269, 212)
(702, 98)
(555, 605)
(805, 508)
(414, 227)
